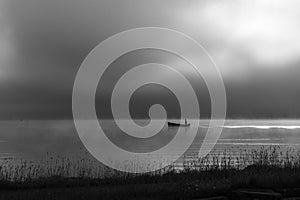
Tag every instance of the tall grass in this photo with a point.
(218, 173)
(84, 168)
(271, 156)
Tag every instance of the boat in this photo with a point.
(178, 124)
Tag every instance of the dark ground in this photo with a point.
(184, 185)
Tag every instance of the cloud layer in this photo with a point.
(255, 44)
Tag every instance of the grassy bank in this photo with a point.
(216, 174)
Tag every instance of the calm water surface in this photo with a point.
(36, 139)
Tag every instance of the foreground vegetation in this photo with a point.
(216, 174)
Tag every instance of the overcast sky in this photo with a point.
(256, 45)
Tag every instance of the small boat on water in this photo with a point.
(172, 124)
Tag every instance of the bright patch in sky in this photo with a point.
(265, 31)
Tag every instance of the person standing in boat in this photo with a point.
(185, 121)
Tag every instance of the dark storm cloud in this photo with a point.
(43, 43)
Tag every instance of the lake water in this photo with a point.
(35, 139)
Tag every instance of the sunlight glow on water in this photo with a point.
(264, 127)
